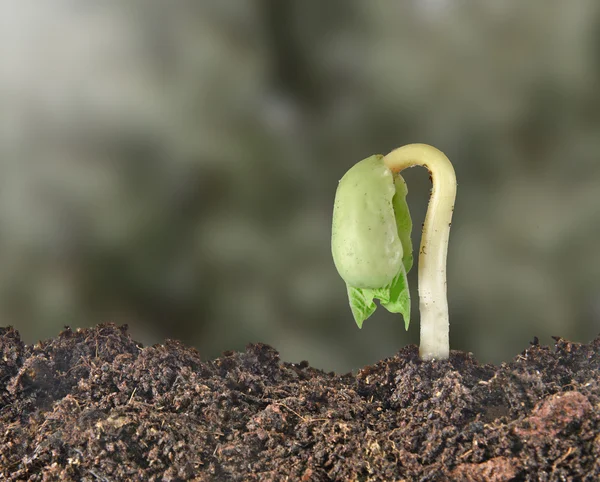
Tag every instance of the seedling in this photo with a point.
(371, 243)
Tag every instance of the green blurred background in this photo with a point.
(172, 165)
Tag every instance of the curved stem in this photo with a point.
(433, 302)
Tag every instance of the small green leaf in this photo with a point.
(399, 298)
(361, 303)
(395, 298)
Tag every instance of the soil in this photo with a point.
(94, 405)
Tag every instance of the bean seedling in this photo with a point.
(371, 243)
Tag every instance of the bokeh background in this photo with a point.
(172, 165)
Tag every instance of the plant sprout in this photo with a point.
(371, 243)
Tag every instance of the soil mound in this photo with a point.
(94, 405)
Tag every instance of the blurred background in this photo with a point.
(173, 165)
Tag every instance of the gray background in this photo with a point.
(172, 165)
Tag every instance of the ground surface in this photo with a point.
(94, 405)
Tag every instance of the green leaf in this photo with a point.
(395, 298)
(403, 221)
(399, 298)
(361, 303)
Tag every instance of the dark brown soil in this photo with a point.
(94, 405)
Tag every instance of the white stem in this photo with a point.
(433, 301)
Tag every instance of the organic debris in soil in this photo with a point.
(94, 405)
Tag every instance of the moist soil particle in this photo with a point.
(94, 405)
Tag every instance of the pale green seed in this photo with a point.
(366, 248)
